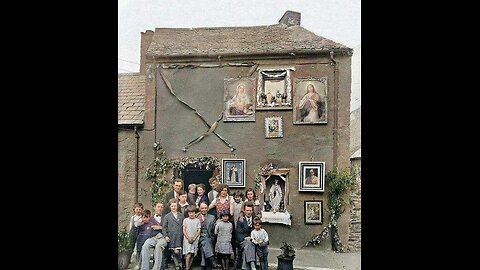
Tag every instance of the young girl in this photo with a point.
(191, 232)
(260, 238)
(172, 229)
(223, 230)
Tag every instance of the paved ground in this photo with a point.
(311, 258)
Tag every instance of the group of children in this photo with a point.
(181, 228)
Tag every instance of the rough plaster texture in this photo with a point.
(203, 89)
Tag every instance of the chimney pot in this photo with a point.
(290, 18)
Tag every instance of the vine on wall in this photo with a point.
(161, 165)
(339, 182)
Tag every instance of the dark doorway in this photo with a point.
(196, 176)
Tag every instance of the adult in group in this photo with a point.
(223, 202)
(212, 194)
(206, 242)
(245, 248)
(157, 243)
(174, 193)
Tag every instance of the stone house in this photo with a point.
(191, 79)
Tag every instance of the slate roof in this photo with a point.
(253, 40)
(131, 98)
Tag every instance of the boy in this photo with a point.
(260, 238)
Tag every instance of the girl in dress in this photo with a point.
(172, 229)
(223, 247)
(191, 232)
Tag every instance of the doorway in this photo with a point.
(196, 176)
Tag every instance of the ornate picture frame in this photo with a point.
(274, 127)
(274, 90)
(311, 176)
(313, 212)
(310, 101)
(239, 99)
(234, 172)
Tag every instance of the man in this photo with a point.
(245, 248)
(177, 186)
(157, 242)
(312, 179)
(207, 237)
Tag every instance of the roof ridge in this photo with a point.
(214, 27)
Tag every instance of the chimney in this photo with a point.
(290, 18)
(145, 41)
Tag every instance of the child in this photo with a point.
(135, 221)
(145, 231)
(172, 230)
(260, 238)
(223, 230)
(182, 203)
(201, 197)
(192, 194)
(237, 206)
(191, 232)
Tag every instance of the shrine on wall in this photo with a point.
(269, 104)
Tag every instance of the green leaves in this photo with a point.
(123, 240)
(339, 182)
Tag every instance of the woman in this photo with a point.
(240, 104)
(252, 197)
(311, 107)
(275, 196)
(223, 202)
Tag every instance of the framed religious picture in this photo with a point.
(274, 127)
(313, 212)
(274, 88)
(311, 176)
(239, 99)
(233, 172)
(310, 101)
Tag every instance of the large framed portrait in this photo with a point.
(274, 91)
(239, 99)
(233, 172)
(313, 212)
(310, 101)
(274, 127)
(311, 176)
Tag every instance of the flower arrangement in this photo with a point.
(288, 251)
(263, 170)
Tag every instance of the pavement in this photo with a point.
(311, 258)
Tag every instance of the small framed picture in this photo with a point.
(313, 212)
(274, 127)
(311, 176)
(233, 172)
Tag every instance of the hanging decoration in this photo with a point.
(160, 166)
(211, 128)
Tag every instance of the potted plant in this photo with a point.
(285, 260)
(124, 249)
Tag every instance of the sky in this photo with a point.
(338, 20)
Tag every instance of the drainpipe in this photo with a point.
(335, 108)
(136, 163)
